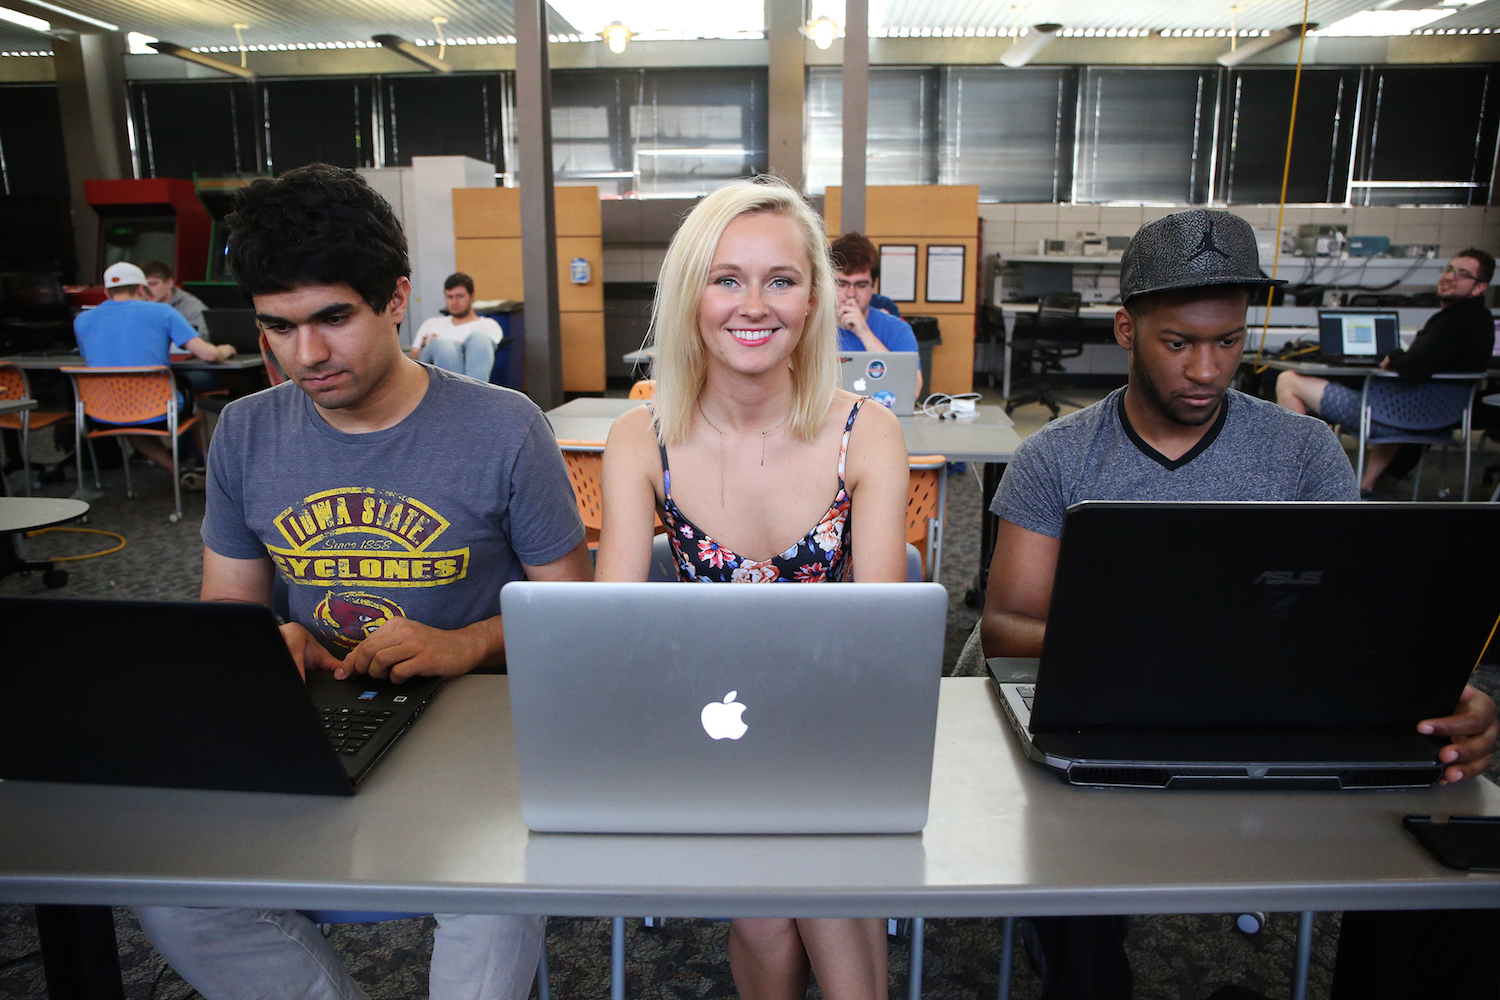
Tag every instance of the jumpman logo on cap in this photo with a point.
(1207, 245)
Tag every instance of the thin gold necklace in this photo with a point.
(715, 426)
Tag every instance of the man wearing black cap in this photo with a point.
(1175, 432)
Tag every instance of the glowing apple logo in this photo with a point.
(721, 719)
(859, 385)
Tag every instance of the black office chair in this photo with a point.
(34, 312)
(1057, 336)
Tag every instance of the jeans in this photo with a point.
(248, 954)
(474, 356)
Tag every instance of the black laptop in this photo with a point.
(1357, 336)
(184, 695)
(233, 326)
(1258, 645)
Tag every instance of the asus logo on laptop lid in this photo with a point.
(1289, 578)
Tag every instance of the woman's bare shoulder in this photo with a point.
(636, 426)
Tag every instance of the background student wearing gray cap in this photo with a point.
(1176, 431)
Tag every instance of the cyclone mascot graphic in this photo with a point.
(352, 617)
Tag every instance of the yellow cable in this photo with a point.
(1286, 172)
(81, 531)
(1487, 641)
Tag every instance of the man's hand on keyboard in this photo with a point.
(402, 648)
(306, 651)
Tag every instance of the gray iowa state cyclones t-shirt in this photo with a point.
(1255, 450)
(425, 520)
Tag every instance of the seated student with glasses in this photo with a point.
(856, 265)
(750, 438)
(1460, 337)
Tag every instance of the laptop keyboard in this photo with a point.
(349, 729)
(1027, 692)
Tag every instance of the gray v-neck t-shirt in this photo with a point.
(1255, 450)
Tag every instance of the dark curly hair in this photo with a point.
(316, 225)
(853, 253)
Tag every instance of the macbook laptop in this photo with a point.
(1258, 645)
(184, 695)
(233, 326)
(886, 377)
(1357, 337)
(673, 708)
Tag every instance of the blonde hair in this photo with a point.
(680, 366)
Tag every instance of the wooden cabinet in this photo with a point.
(487, 247)
(929, 216)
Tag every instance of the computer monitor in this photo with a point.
(1358, 333)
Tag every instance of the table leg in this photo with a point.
(617, 959)
(1009, 321)
(989, 527)
(1304, 955)
(1007, 956)
(543, 977)
(914, 966)
(12, 562)
(79, 955)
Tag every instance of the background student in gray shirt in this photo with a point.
(1178, 432)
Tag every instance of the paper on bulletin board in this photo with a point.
(898, 271)
(945, 273)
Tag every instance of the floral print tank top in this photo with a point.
(822, 555)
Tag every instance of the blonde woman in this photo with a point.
(763, 471)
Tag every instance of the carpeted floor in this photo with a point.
(1184, 957)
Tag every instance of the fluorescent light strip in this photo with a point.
(64, 12)
(24, 20)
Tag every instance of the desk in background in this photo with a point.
(989, 438)
(52, 362)
(1005, 838)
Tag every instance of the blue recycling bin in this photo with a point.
(510, 358)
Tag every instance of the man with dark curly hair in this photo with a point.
(394, 500)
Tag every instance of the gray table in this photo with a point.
(52, 362)
(988, 437)
(1004, 838)
(1323, 370)
(22, 514)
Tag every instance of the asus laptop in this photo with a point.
(184, 695)
(1357, 337)
(1258, 645)
(673, 708)
(886, 377)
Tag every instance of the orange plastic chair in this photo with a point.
(126, 396)
(273, 367)
(644, 389)
(15, 385)
(927, 510)
(584, 460)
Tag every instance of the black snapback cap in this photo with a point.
(1198, 248)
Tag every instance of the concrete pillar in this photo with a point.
(538, 219)
(787, 89)
(95, 122)
(856, 113)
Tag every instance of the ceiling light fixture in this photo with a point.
(1265, 43)
(24, 20)
(402, 47)
(70, 15)
(1036, 38)
(822, 31)
(188, 55)
(240, 26)
(616, 36)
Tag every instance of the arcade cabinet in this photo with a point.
(151, 219)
